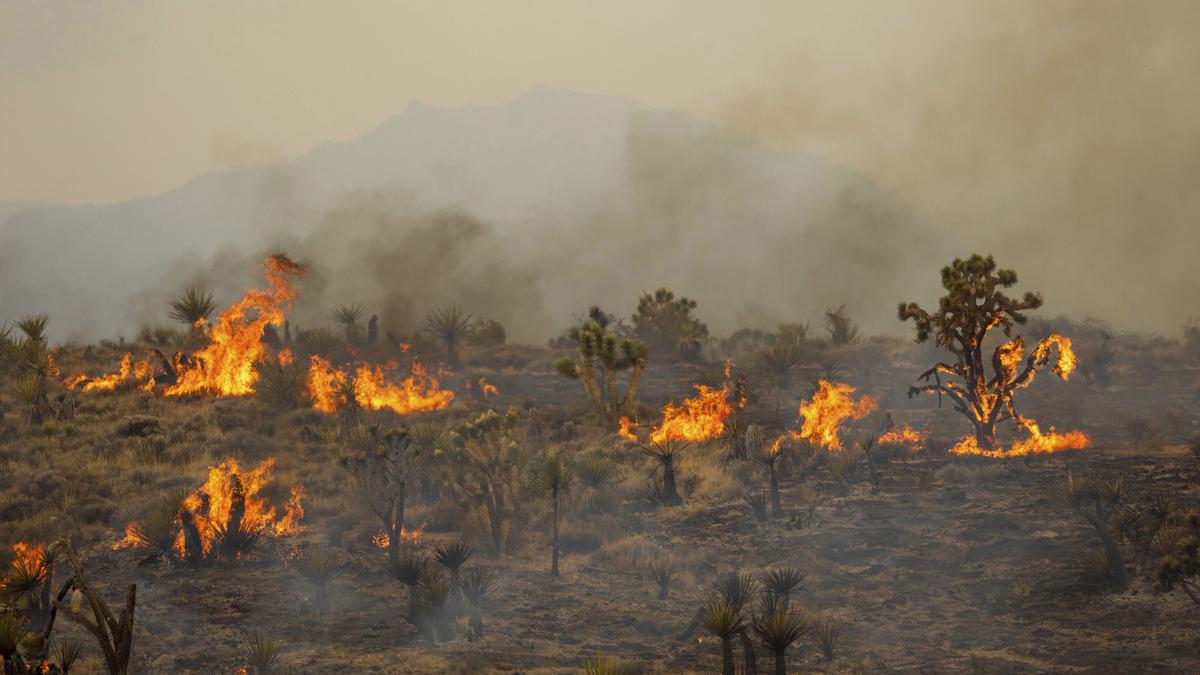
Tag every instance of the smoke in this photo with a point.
(1060, 136)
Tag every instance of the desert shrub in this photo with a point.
(666, 326)
(487, 333)
(263, 653)
(1097, 500)
(490, 469)
(348, 317)
(320, 566)
(664, 571)
(283, 387)
(379, 462)
(824, 634)
(841, 328)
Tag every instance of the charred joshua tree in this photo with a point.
(973, 306)
(602, 355)
(113, 632)
(379, 462)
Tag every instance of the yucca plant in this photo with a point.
(66, 653)
(724, 620)
(736, 587)
(451, 325)
(664, 571)
(408, 570)
(348, 317)
(13, 630)
(768, 453)
(783, 581)
(557, 479)
(603, 354)
(779, 628)
(159, 530)
(263, 653)
(320, 566)
(824, 634)
(608, 665)
(476, 587)
(193, 307)
(427, 609)
(1096, 500)
(34, 327)
(31, 394)
(453, 556)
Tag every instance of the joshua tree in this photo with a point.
(1096, 500)
(193, 307)
(842, 329)
(408, 570)
(767, 452)
(490, 465)
(666, 325)
(453, 556)
(347, 316)
(724, 620)
(664, 453)
(778, 628)
(379, 462)
(601, 356)
(451, 326)
(557, 480)
(973, 306)
(114, 632)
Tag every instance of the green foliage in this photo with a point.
(666, 326)
(34, 327)
(193, 307)
(602, 355)
(66, 653)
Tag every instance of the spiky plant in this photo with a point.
(31, 394)
(476, 587)
(667, 326)
(408, 570)
(263, 652)
(779, 628)
(193, 306)
(348, 317)
(557, 478)
(735, 587)
(379, 460)
(596, 472)
(608, 665)
(1096, 499)
(453, 556)
(723, 619)
(664, 571)
(823, 634)
(842, 329)
(757, 502)
(13, 630)
(427, 607)
(783, 581)
(66, 653)
(320, 566)
(768, 453)
(451, 325)
(34, 327)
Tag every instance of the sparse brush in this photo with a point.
(595, 471)
(843, 464)
(783, 581)
(824, 634)
(737, 588)
(66, 653)
(779, 628)
(723, 619)
(664, 571)
(320, 566)
(193, 307)
(841, 328)
(263, 653)
(608, 665)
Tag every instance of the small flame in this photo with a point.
(903, 435)
(1036, 444)
(698, 418)
(140, 374)
(285, 357)
(628, 428)
(29, 560)
(828, 411)
(407, 537)
(487, 389)
(417, 393)
(225, 367)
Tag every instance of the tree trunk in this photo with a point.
(776, 503)
(727, 656)
(750, 664)
(781, 662)
(670, 493)
(985, 434)
(554, 548)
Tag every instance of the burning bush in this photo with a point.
(222, 519)
(974, 306)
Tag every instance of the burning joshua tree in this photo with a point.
(973, 306)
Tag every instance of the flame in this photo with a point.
(828, 410)
(417, 393)
(487, 389)
(1036, 444)
(225, 366)
(698, 419)
(903, 435)
(29, 560)
(286, 358)
(211, 506)
(1065, 365)
(411, 537)
(142, 374)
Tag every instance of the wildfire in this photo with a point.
(412, 537)
(229, 499)
(828, 411)
(903, 435)
(699, 418)
(1036, 444)
(142, 374)
(285, 358)
(225, 366)
(29, 561)
(487, 389)
(419, 392)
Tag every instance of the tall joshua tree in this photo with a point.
(601, 356)
(667, 326)
(451, 325)
(973, 306)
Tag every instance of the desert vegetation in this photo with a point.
(637, 495)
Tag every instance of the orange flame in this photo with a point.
(417, 393)
(698, 419)
(211, 506)
(29, 560)
(903, 435)
(828, 410)
(411, 537)
(142, 374)
(285, 357)
(487, 389)
(1037, 443)
(225, 367)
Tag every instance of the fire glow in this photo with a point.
(407, 537)
(420, 392)
(699, 418)
(29, 561)
(827, 412)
